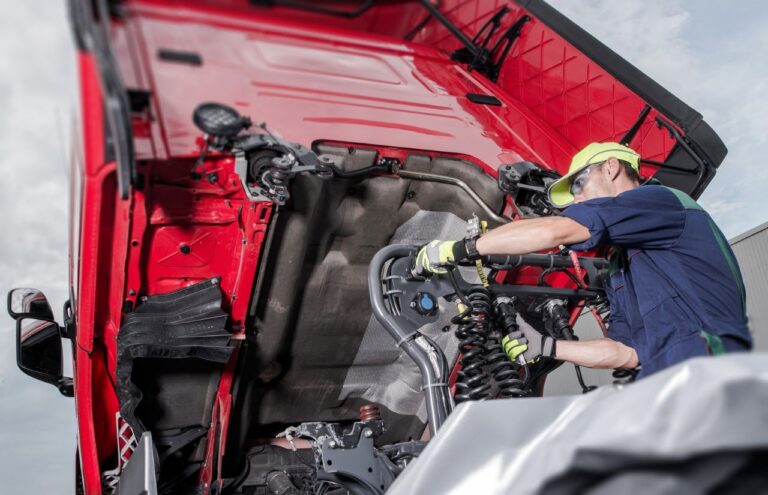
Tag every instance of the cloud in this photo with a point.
(686, 48)
(37, 84)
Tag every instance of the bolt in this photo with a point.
(131, 292)
(411, 195)
(367, 433)
(332, 444)
(413, 304)
(144, 299)
(185, 249)
(284, 161)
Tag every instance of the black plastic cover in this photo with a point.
(184, 325)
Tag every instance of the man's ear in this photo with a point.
(613, 168)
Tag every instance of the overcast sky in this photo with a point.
(712, 54)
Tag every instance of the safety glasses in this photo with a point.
(582, 178)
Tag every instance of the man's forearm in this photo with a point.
(599, 353)
(529, 236)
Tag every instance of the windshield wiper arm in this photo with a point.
(479, 54)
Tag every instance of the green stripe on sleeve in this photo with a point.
(725, 249)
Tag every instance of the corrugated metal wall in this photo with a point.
(751, 249)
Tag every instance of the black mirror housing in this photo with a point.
(38, 350)
(29, 303)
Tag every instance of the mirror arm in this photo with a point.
(68, 329)
(66, 386)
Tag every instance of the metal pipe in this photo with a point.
(702, 165)
(409, 174)
(632, 132)
(435, 387)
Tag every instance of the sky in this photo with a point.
(711, 54)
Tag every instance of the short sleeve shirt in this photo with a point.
(675, 273)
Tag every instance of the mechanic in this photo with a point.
(675, 288)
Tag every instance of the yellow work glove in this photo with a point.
(436, 256)
(528, 343)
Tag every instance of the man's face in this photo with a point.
(592, 182)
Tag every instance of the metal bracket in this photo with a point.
(349, 458)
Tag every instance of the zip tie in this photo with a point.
(434, 385)
(393, 291)
(408, 337)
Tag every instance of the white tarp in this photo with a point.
(694, 428)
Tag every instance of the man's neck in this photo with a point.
(623, 185)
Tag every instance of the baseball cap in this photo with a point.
(559, 192)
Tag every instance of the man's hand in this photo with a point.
(528, 342)
(435, 256)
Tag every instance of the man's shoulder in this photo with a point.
(649, 195)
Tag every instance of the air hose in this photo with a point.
(474, 319)
(556, 311)
(500, 367)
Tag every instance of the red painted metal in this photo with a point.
(313, 78)
(91, 175)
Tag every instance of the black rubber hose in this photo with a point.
(543, 260)
(279, 483)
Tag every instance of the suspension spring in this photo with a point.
(473, 382)
(370, 412)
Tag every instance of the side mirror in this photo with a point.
(38, 352)
(29, 303)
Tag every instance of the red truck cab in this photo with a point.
(240, 165)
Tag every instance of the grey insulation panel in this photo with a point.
(316, 356)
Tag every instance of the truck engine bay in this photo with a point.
(351, 361)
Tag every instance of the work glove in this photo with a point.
(436, 256)
(528, 343)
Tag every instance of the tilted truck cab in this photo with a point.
(241, 165)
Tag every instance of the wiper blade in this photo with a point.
(476, 52)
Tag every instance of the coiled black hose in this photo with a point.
(502, 370)
(562, 328)
(473, 381)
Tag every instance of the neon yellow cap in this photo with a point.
(559, 192)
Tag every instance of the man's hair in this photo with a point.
(631, 172)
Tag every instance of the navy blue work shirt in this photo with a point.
(673, 275)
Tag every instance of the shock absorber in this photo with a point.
(500, 367)
(473, 382)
